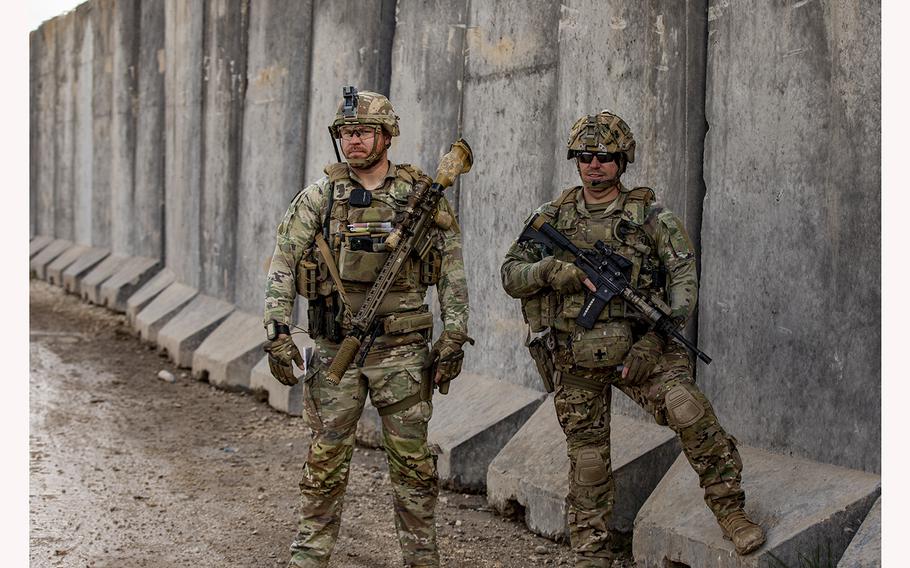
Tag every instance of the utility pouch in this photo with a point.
(315, 316)
(400, 324)
(545, 365)
(331, 317)
(430, 267)
(536, 311)
(307, 283)
(360, 265)
(606, 345)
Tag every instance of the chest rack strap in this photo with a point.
(326, 254)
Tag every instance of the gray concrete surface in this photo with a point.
(274, 126)
(38, 264)
(791, 290)
(102, 108)
(63, 127)
(281, 397)
(532, 470)
(149, 291)
(427, 79)
(509, 121)
(162, 309)
(124, 37)
(367, 25)
(226, 357)
(472, 423)
(223, 86)
(182, 335)
(135, 272)
(90, 285)
(46, 95)
(37, 244)
(83, 148)
(806, 508)
(865, 550)
(34, 120)
(148, 214)
(75, 272)
(183, 137)
(54, 271)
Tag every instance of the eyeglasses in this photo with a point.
(362, 133)
(602, 157)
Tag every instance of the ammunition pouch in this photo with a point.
(603, 346)
(538, 311)
(541, 349)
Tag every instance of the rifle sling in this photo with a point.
(326, 253)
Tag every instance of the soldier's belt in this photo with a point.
(407, 322)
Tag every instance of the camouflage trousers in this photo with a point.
(671, 396)
(390, 373)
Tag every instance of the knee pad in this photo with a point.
(683, 409)
(590, 468)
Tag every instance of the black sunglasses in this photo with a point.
(602, 157)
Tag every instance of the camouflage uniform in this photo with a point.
(393, 370)
(589, 362)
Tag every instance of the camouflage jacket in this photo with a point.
(304, 219)
(635, 226)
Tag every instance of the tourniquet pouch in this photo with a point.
(605, 345)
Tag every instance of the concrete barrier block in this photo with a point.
(54, 270)
(229, 353)
(38, 265)
(159, 311)
(37, 244)
(282, 397)
(473, 422)
(90, 287)
(865, 550)
(532, 470)
(143, 296)
(74, 273)
(805, 507)
(185, 332)
(134, 273)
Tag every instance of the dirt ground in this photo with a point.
(128, 470)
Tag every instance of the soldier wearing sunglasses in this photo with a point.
(622, 350)
(330, 249)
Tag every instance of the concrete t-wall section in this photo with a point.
(102, 104)
(649, 58)
(83, 213)
(508, 118)
(427, 78)
(33, 122)
(63, 127)
(223, 80)
(352, 41)
(148, 197)
(791, 235)
(183, 136)
(46, 95)
(274, 130)
(124, 40)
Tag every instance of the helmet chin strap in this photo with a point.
(372, 157)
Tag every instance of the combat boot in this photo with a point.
(746, 535)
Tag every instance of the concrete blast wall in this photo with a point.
(183, 129)
(274, 133)
(791, 291)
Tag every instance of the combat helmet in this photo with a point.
(367, 108)
(601, 132)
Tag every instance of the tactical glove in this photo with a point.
(564, 277)
(448, 356)
(642, 358)
(282, 352)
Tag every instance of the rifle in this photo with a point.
(407, 236)
(609, 272)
